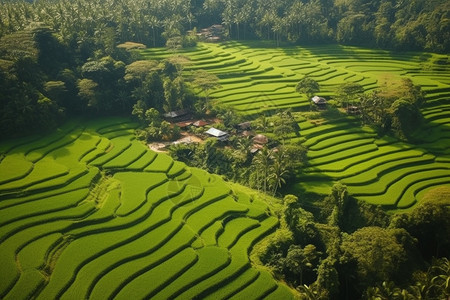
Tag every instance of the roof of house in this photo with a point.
(216, 132)
(184, 124)
(318, 100)
(200, 123)
(176, 113)
(260, 139)
(245, 125)
(247, 133)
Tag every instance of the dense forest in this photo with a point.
(411, 25)
(340, 248)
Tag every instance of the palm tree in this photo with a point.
(262, 163)
(279, 171)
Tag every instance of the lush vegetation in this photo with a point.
(88, 212)
(417, 25)
(61, 58)
(389, 154)
(263, 167)
(340, 248)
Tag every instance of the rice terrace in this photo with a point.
(69, 232)
(257, 79)
(161, 149)
(153, 214)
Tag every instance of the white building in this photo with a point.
(218, 134)
(319, 100)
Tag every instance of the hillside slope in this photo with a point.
(87, 212)
(258, 78)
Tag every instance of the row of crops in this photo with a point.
(88, 212)
(256, 78)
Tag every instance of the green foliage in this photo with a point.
(429, 223)
(336, 202)
(307, 86)
(93, 235)
(300, 222)
(349, 92)
(301, 261)
(396, 107)
(434, 284)
(88, 91)
(327, 279)
(206, 82)
(382, 24)
(376, 252)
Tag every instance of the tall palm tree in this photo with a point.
(279, 170)
(262, 163)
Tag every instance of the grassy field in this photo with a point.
(152, 228)
(259, 78)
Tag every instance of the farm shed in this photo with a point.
(319, 100)
(354, 110)
(218, 134)
(184, 124)
(178, 115)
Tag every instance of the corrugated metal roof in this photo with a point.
(216, 132)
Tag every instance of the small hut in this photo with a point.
(245, 126)
(218, 134)
(184, 125)
(200, 123)
(353, 110)
(178, 115)
(319, 101)
(260, 139)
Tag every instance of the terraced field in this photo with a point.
(89, 213)
(257, 78)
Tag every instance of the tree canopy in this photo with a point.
(405, 25)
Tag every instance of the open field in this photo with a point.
(90, 213)
(258, 78)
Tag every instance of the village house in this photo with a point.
(218, 134)
(200, 123)
(260, 139)
(320, 102)
(212, 34)
(353, 110)
(244, 126)
(178, 115)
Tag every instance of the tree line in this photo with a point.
(393, 24)
(43, 81)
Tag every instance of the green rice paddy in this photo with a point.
(258, 78)
(87, 212)
(90, 213)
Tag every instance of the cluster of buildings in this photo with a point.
(184, 119)
(214, 33)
